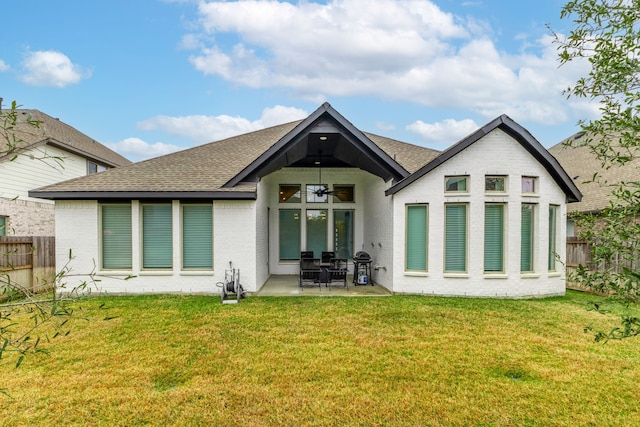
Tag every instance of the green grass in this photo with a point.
(394, 361)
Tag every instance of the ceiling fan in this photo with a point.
(323, 189)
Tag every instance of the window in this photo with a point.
(316, 193)
(116, 236)
(416, 249)
(289, 193)
(197, 236)
(494, 238)
(571, 228)
(343, 194)
(3, 225)
(553, 225)
(289, 234)
(93, 167)
(527, 236)
(157, 236)
(455, 238)
(529, 184)
(343, 233)
(456, 184)
(317, 231)
(494, 184)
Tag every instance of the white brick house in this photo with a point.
(50, 153)
(483, 218)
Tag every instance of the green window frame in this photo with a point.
(416, 250)
(157, 236)
(197, 237)
(343, 231)
(289, 234)
(553, 230)
(116, 242)
(527, 236)
(494, 235)
(455, 238)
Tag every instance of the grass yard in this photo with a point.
(296, 361)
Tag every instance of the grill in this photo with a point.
(362, 269)
(362, 256)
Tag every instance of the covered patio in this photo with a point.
(287, 285)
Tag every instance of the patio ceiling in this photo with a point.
(324, 140)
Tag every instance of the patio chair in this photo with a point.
(309, 271)
(306, 254)
(338, 271)
(327, 256)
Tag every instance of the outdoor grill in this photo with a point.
(362, 269)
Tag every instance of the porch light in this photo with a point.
(323, 138)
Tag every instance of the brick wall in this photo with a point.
(28, 218)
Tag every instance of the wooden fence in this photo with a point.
(28, 261)
(579, 253)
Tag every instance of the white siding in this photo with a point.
(495, 154)
(36, 168)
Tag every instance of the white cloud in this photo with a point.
(137, 149)
(4, 66)
(446, 132)
(51, 68)
(201, 129)
(405, 50)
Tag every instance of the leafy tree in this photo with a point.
(606, 33)
(28, 320)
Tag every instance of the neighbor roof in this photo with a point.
(581, 164)
(206, 171)
(518, 133)
(54, 132)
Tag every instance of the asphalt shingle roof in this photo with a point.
(56, 132)
(206, 168)
(581, 164)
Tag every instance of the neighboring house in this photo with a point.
(581, 164)
(483, 218)
(50, 153)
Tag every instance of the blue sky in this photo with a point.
(148, 77)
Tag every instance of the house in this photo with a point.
(50, 153)
(581, 164)
(483, 218)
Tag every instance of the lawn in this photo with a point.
(335, 361)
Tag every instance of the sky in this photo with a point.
(149, 77)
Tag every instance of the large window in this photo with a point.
(455, 238)
(157, 237)
(289, 226)
(494, 238)
(116, 236)
(527, 236)
(416, 250)
(317, 231)
(197, 237)
(553, 226)
(343, 233)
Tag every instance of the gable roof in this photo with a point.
(323, 138)
(227, 169)
(59, 134)
(518, 133)
(581, 164)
